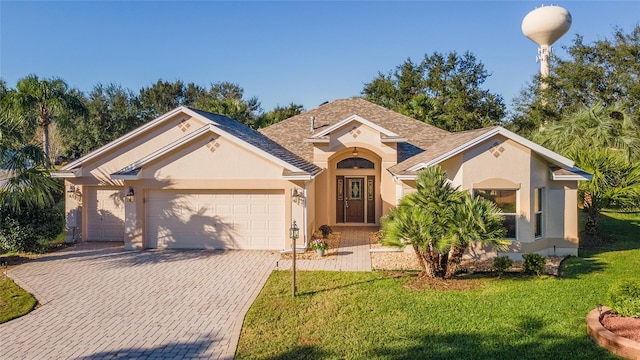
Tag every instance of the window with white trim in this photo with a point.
(506, 201)
(537, 211)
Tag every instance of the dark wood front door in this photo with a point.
(354, 200)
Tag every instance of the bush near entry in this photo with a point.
(27, 230)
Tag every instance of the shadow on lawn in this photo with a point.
(619, 235)
(533, 343)
(537, 344)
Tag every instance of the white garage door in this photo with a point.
(214, 220)
(105, 214)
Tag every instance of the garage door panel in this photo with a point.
(200, 219)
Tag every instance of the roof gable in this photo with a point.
(292, 132)
(231, 129)
(459, 142)
(353, 118)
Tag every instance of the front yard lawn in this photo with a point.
(14, 302)
(377, 316)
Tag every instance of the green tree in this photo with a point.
(42, 101)
(227, 99)
(223, 98)
(24, 168)
(442, 90)
(441, 222)
(278, 114)
(603, 72)
(604, 141)
(162, 97)
(112, 111)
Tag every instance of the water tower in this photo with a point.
(544, 26)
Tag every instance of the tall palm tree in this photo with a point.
(43, 101)
(441, 223)
(605, 141)
(24, 169)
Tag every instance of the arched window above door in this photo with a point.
(355, 163)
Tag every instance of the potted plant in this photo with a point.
(319, 245)
(326, 230)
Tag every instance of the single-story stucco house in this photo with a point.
(194, 179)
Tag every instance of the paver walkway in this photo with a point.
(353, 254)
(100, 302)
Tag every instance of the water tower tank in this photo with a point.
(544, 26)
(547, 24)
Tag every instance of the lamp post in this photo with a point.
(294, 233)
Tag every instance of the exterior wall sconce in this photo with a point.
(297, 196)
(355, 151)
(130, 194)
(74, 192)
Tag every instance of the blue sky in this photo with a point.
(281, 52)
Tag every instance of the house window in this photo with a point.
(355, 163)
(537, 210)
(506, 201)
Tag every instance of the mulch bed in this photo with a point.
(407, 260)
(626, 327)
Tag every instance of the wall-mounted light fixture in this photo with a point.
(355, 151)
(130, 194)
(297, 195)
(74, 192)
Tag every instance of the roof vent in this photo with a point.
(313, 123)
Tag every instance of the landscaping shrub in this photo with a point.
(27, 230)
(624, 297)
(501, 264)
(533, 264)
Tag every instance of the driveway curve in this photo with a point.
(98, 301)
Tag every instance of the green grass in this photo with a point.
(14, 302)
(374, 315)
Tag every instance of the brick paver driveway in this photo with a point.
(99, 301)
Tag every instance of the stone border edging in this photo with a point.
(616, 344)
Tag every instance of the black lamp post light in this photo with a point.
(294, 233)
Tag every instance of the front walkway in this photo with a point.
(353, 254)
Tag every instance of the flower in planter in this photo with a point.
(319, 244)
(326, 230)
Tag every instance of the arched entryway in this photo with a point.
(356, 187)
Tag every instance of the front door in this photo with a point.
(354, 200)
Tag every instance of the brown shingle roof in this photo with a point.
(291, 132)
(439, 148)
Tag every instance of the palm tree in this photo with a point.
(596, 127)
(441, 223)
(605, 141)
(24, 169)
(615, 183)
(43, 101)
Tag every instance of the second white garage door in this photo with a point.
(215, 220)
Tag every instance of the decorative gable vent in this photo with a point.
(184, 125)
(497, 149)
(355, 132)
(213, 145)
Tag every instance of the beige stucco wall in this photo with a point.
(208, 162)
(516, 166)
(340, 147)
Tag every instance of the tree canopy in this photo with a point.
(442, 90)
(605, 72)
